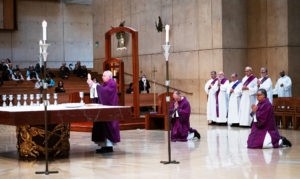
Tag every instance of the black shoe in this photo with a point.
(196, 134)
(286, 143)
(105, 150)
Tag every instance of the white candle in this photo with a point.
(167, 27)
(44, 25)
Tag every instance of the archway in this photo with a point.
(135, 62)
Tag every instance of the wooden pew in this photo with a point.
(146, 99)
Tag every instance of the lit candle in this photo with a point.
(167, 27)
(44, 25)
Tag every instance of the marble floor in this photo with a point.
(220, 153)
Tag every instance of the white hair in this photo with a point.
(248, 68)
(108, 73)
(264, 69)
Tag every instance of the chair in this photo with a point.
(290, 108)
(297, 112)
(279, 108)
(159, 120)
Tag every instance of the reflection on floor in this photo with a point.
(221, 153)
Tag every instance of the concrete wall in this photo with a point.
(273, 38)
(294, 44)
(196, 39)
(205, 35)
(1, 14)
(70, 33)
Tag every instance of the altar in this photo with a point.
(29, 122)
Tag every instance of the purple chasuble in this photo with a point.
(107, 95)
(181, 125)
(217, 97)
(264, 79)
(265, 123)
(250, 78)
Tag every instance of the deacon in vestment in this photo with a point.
(265, 83)
(222, 99)
(180, 111)
(283, 86)
(106, 134)
(264, 133)
(234, 91)
(211, 88)
(249, 89)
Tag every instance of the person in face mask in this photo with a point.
(283, 87)
(144, 85)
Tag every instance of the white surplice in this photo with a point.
(286, 90)
(211, 112)
(248, 98)
(267, 85)
(234, 103)
(223, 102)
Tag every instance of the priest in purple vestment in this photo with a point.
(180, 111)
(264, 132)
(106, 134)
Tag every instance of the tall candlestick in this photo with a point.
(44, 25)
(41, 42)
(167, 27)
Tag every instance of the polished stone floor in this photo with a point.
(221, 153)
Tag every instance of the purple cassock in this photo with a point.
(181, 125)
(265, 123)
(107, 95)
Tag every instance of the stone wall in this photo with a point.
(273, 38)
(202, 40)
(70, 33)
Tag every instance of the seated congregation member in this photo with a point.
(17, 75)
(6, 74)
(144, 85)
(84, 72)
(31, 74)
(77, 70)
(60, 87)
(10, 68)
(106, 134)
(64, 72)
(37, 68)
(38, 85)
(2, 64)
(264, 132)
(222, 99)
(129, 90)
(1, 80)
(180, 111)
(50, 81)
(234, 92)
(70, 67)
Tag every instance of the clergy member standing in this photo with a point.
(264, 133)
(222, 99)
(234, 91)
(283, 86)
(249, 90)
(180, 111)
(106, 134)
(211, 88)
(265, 83)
